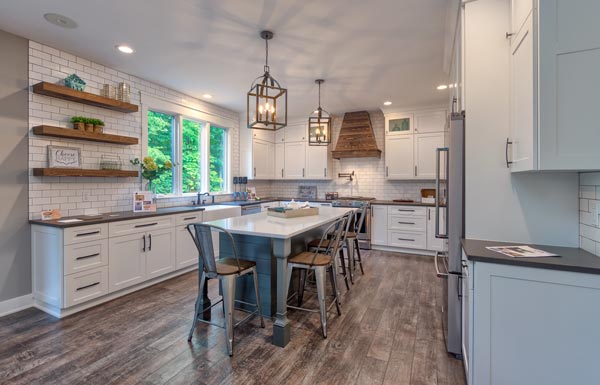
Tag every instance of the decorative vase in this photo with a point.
(79, 126)
(151, 187)
(75, 82)
(98, 129)
(89, 127)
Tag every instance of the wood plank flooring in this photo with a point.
(389, 333)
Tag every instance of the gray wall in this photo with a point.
(15, 247)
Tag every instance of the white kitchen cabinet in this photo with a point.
(160, 255)
(127, 261)
(519, 12)
(280, 136)
(434, 243)
(266, 135)
(279, 160)
(399, 124)
(467, 316)
(399, 162)
(425, 154)
(296, 132)
(318, 162)
(558, 77)
(532, 326)
(263, 153)
(295, 160)
(430, 121)
(187, 253)
(379, 224)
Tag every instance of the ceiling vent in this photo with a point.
(356, 139)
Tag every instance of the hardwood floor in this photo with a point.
(389, 333)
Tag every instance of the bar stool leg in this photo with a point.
(350, 264)
(336, 293)
(340, 256)
(357, 248)
(301, 283)
(228, 300)
(198, 303)
(320, 278)
(258, 305)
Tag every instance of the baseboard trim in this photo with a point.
(403, 250)
(16, 304)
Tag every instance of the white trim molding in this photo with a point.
(16, 304)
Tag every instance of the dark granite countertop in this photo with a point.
(115, 217)
(270, 199)
(571, 258)
(392, 203)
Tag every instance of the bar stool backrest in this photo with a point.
(337, 228)
(202, 236)
(360, 219)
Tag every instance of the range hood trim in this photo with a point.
(355, 124)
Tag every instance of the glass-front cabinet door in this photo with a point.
(399, 124)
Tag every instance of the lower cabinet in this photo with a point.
(127, 261)
(379, 225)
(160, 255)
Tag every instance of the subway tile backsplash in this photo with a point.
(589, 212)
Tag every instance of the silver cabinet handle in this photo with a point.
(437, 268)
(428, 214)
(325, 172)
(508, 142)
(255, 172)
(282, 173)
(406, 239)
(405, 210)
(387, 171)
(406, 223)
(302, 169)
(415, 170)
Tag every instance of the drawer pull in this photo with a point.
(87, 256)
(189, 218)
(406, 239)
(89, 233)
(404, 210)
(87, 286)
(146, 225)
(407, 223)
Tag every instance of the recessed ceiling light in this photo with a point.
(125, 48)
(60, 20)
(207, 96)
(388, 103)
(442, 87)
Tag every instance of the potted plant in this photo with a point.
(78, 123)
(98, 126)
(89, 124)
(150, 169)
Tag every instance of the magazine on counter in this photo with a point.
(521, 251)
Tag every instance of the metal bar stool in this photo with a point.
(320, 263)
(316, 244)
(351, 241)
(227, 270)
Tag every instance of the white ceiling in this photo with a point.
(367, 51)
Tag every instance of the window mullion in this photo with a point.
(205, 158)
(178, 171)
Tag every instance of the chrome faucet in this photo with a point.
(200, 201)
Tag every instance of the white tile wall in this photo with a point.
(370, 174)
(74, 195)
(589, 212)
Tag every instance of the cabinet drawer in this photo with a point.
(116, 229)
(85, 256)
(184, 219)
(86, 285)
(407, 210)
(85, 233)
(407, 223)
(407, 239)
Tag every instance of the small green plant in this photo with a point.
(98, 122)
(78, 119)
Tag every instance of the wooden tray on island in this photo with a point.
(273, 212)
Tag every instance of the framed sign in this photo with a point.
(64, 157)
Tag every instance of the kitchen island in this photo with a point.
(270, 241)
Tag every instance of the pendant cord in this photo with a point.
(319, 96)
(267, 55)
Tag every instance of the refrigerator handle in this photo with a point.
(438, 158)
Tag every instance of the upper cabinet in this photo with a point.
(411, 154)
(555, 56)
(399, 124)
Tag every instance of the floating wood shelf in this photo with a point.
(69, 133)
(83, 172)
(66, 93)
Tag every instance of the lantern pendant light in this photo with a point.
(266, 105)
(319, 124)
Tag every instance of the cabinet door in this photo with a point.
(425, 155)
(523, 125)
(295, 160)
(126, 261)
(263, 153)
(519, 11)
(399, 162)
(160, 255)
(187, 253)
(316, 162)
(569, 82)
(430, 121)
(266, 135)
(399, 124)
(280, 135)
(379, 222)
(279, 160)
(296, 133)
(433, 243)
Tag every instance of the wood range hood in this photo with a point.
(356, 138)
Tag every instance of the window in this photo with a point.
(198, 150)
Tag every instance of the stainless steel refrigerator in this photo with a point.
(450, 179)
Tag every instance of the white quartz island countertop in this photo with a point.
(262, 225)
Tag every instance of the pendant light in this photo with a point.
(319, 124)
(266, 101)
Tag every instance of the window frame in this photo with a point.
(182, 112)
